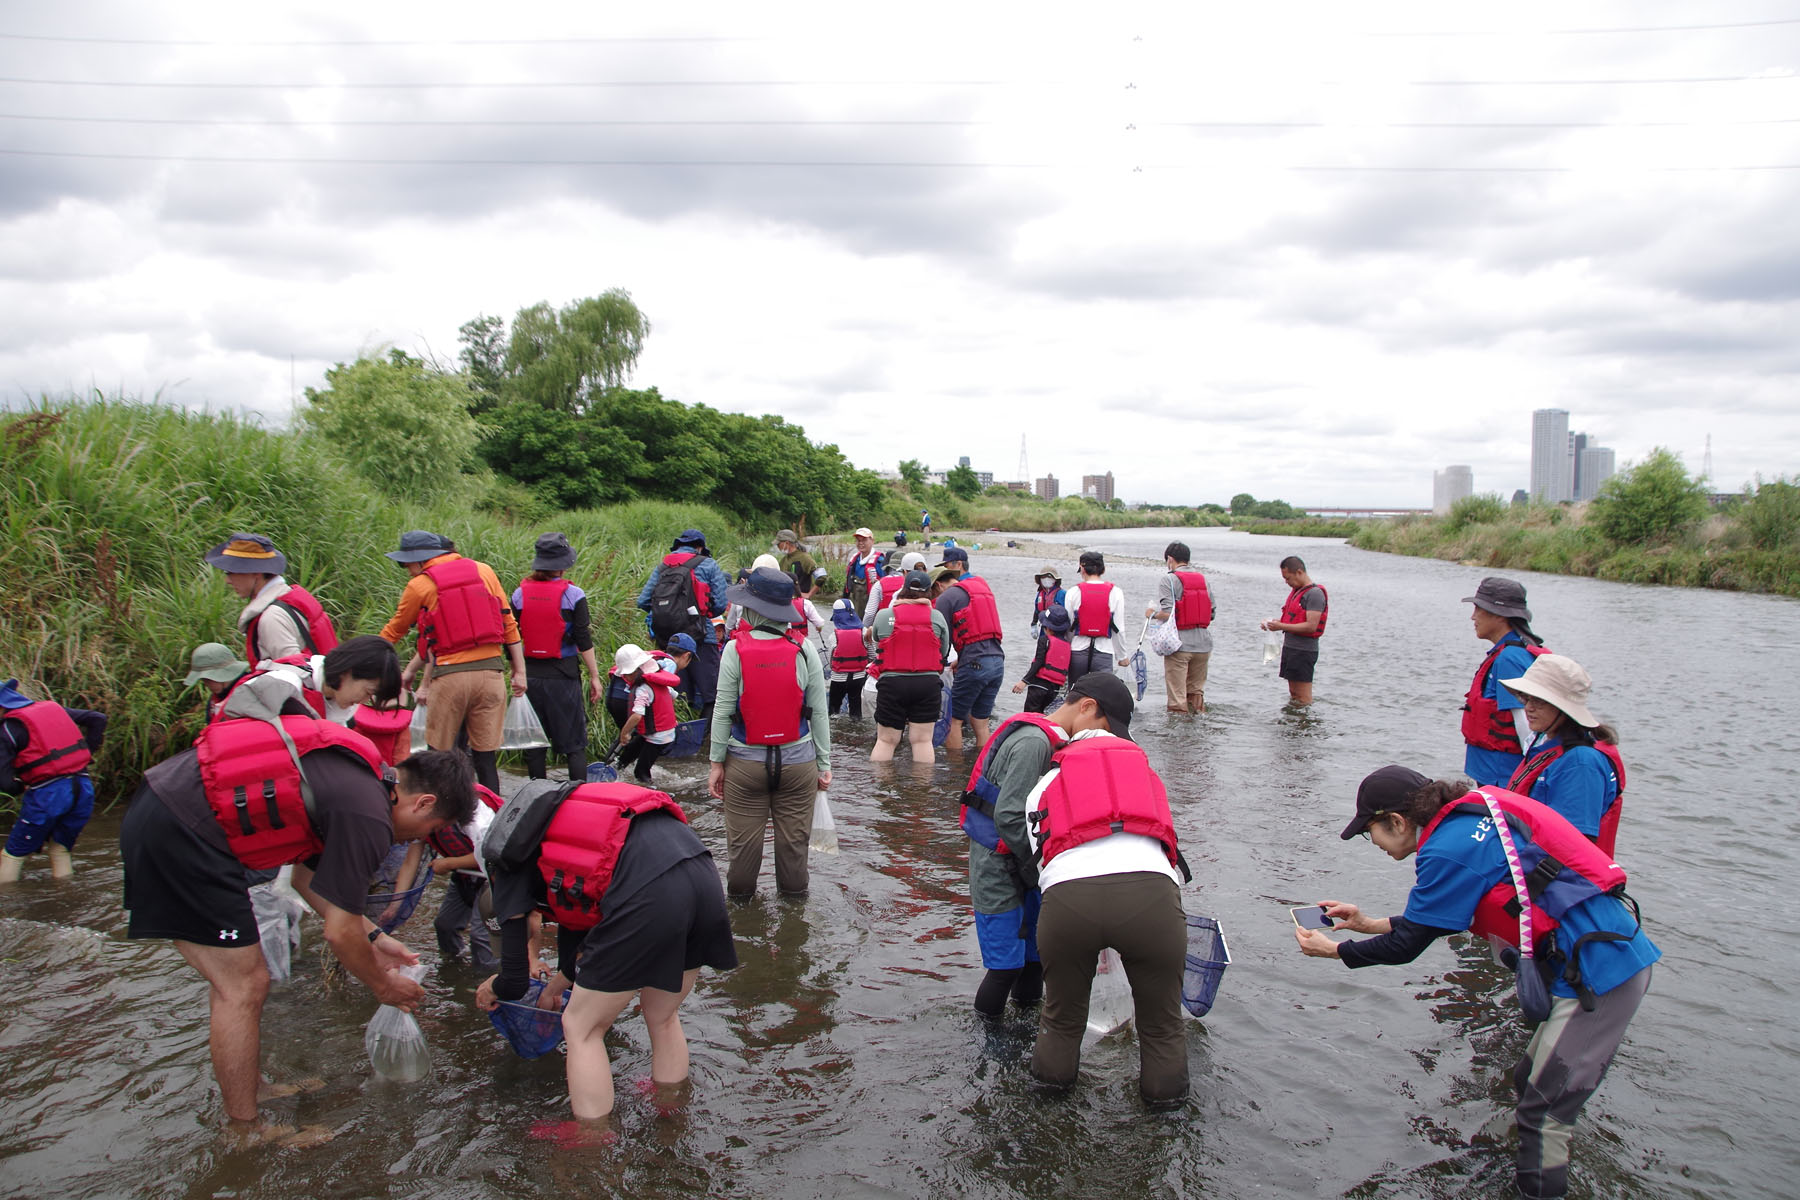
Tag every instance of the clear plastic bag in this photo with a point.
(523, 729)
(1271, 647)
(824, 829)
(1109, 1004)
(417, 728)
(395, 1043)
(278, 911)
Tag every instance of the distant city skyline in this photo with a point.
(1565, 466)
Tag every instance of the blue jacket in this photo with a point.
(709, 572)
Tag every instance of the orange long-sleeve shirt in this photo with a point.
(421, 593)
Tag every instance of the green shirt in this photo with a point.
(799, 559)
(810, 674)
(998, 882)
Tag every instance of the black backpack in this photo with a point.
(674, 603)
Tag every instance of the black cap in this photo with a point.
(1383, 791)
(1501, 596)
(1110, 693)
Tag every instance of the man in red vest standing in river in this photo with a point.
(1301, 624)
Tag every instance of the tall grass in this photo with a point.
(107, 505)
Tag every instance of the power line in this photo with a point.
(296, 160)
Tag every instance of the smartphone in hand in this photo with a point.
(1311, 917)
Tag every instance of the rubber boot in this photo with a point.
(62, 864)
(10, 866)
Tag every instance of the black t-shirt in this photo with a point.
(352, 814)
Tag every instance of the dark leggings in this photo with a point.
(1024, 984)
(643, 754)
(487, 768)
(537, 764)
(852, 688)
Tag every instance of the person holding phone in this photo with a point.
(1599, 952)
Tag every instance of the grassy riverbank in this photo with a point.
(1318, 527)
(106, 508)
(1755, 547)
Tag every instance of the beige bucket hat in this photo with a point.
(1560, 680)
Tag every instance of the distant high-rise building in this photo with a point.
(1577, 443)
(1047, 488)
(1552, 471)
(1100, 487)
(1450, 485)
(1596, 468)
(963, 461)
(986, 478)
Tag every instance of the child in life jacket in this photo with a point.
(849, 659)
(45, 749)
(649, 729)
(1049, 669)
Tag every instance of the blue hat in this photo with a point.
(954, 554)
(418, 545)
(11, 697)
(247, 554)
(681, 643)
(689, 537)
(844, 615)
(768, 593)
(1056, 619)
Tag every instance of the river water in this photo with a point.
(843, 1059)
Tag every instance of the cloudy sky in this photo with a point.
(1303, 250)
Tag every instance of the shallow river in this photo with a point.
(843, 1059)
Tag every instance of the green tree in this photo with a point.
(963, 481)
(573, 462)
(1654, 499)
(912, 474)
(1771, 513)
(402, 423)
(483, 356)
(1243, 504)
(1483, 508)
(564, 359)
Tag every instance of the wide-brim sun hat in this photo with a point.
(420, 545)
(769, 592)
(214, 661)
(1559, 680)
(247, 554)
(553, 553)
(1501, 596)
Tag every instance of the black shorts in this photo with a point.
(1297, 665)
(178, 884)
(908, 699)
(674, 924)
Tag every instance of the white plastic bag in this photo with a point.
(417, 729)
(824, 829)
(1164, 638)
(1109, 1004)
(394, 1041)
(523, 729)
(278, 910)
(1271, 647)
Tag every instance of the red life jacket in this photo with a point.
(1045, 598)
(317, 634)
(849, 655)
(979, 619)
(465, 614)
(913, 645)
(313, 698)
(1055, 668)
(890, 587)
(582, 843)
(54, 744)
(867, 571)
(1485, 725)
(388, 730)
(488, 797)
(1194, 608)
(661, 714)
(1526, 777)
(978, 799)
(771, 705)
(253, 785)
(1105, 786)
(1562, 867)
(542, 626)
(1095, 610)
(1294, 611)
(702, 591)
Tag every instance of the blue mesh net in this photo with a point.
(532, 1032)
(1207, 958)
(392, 899)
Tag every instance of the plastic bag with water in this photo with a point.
(523, 729)
(1271, 647)
(417, 729)
(1109, 1004)
(394, 1041)
(824, 829)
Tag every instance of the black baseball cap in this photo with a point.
(1381, 791)
(1110, 693)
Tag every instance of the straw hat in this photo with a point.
(1560, 680)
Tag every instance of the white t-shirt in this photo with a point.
(1114, 854)
(1115, 601)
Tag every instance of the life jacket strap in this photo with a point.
(268, 791)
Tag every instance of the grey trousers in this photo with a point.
(1139, 915)
(750, 806)
(461, 909)
(1565, 1061)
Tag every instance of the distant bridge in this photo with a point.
(1333, 511)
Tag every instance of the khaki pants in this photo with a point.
(1139, 915)
(750, 805)
(1184, 678)
(471, 700)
